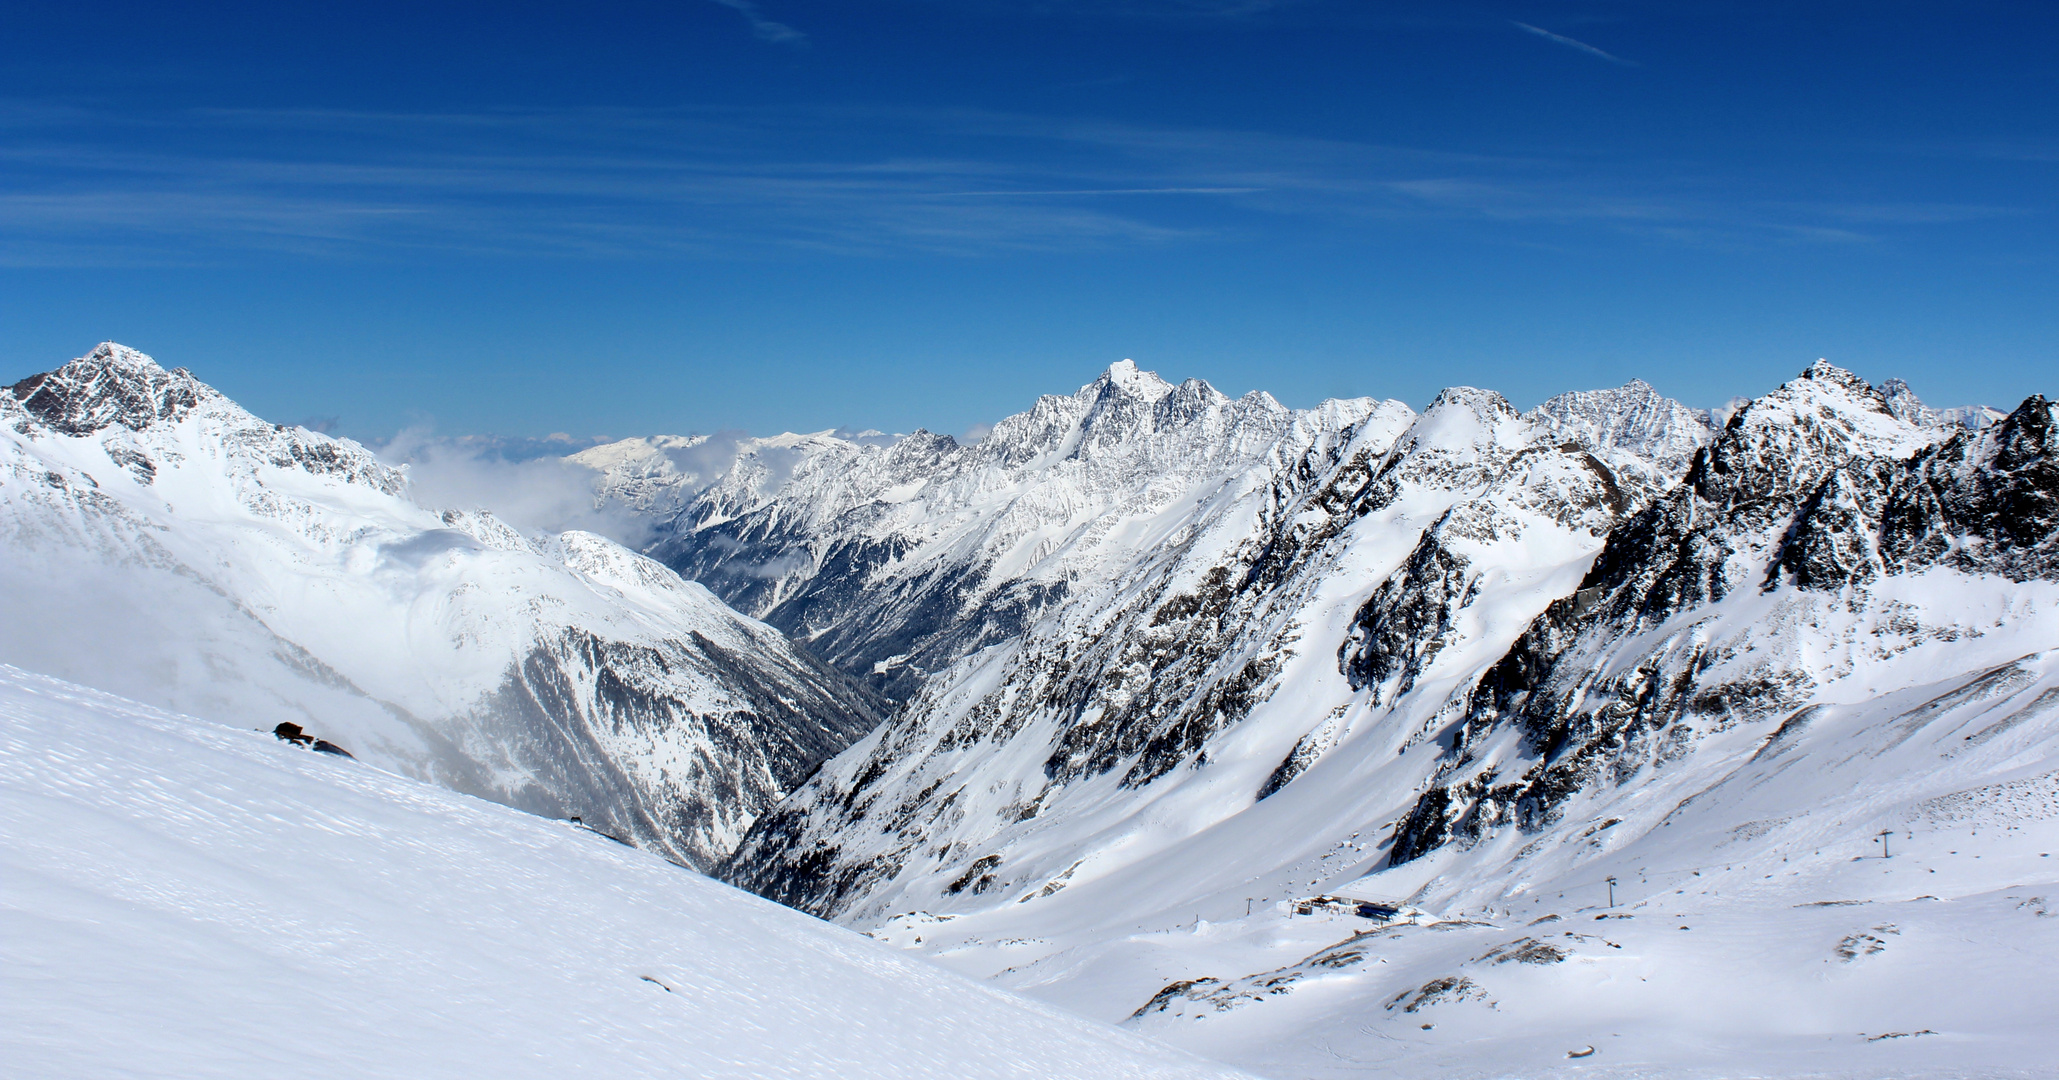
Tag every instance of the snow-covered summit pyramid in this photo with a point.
(166, 544)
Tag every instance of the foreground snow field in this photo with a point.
(183, 899)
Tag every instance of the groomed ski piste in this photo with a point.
(184, 899)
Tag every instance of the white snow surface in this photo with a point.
(181, 899)
(1764, 845)
(1174, 659)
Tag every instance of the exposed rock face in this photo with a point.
(1823, 486)
(1462, 518)
(165, 544)
(111, 386)
(893, 560)
(1122, 685)
(1413, 614)
(1633, 419)
(1982, 502)
(1438, 629)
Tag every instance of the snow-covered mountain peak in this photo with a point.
(1633, 417)
(1903, 402)
(651, 454)
(1786, 442)
(111, 385)
(1825, 371)
(1124, 378)
(145, 417)
(1467, 416)
(1126, 405)
(1459, 441)
(1483, 403)
(931, 535)
(1850, 412)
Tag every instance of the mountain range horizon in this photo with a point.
(1227, 723)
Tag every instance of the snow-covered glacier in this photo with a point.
(180, 898)
(165, 544)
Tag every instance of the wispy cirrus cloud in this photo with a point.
(767, 29)
(1571, 43)
(199, 185)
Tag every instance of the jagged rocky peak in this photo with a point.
(1125, 404)
(111, 385)
(1123, 378)
(1633, 417)
(1820, 485)
(1979, 502)
(2028, 437)
(138, 410)
(1783, 444)
(1903, 402)
(1117, 411)
(1840, 407)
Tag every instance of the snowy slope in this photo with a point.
(1475, 666)
(179, 899)
(166, 544)
(1758, 929)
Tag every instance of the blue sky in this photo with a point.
(795, 214)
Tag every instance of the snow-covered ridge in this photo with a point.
(1435, 660)
(1261, 585)
(167, 544)
(184, 899)
(894, 559)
